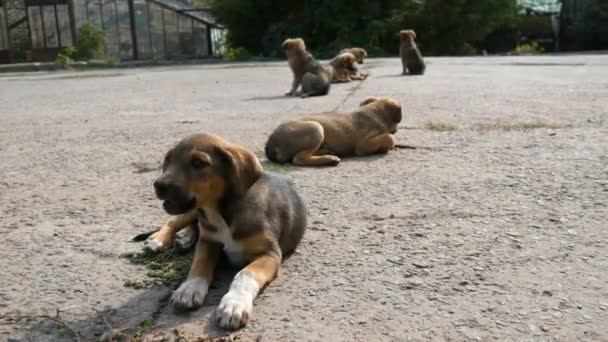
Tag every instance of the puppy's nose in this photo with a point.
(161, 187)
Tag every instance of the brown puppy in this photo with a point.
(411, 58)
(359, 53)
(254, 217)
(307, 72)
(321, 139)
(341, 67)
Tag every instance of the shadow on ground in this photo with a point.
(135, 318)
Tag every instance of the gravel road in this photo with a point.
(491, 225)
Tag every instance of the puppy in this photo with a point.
(360, 55)
(321, 139)
(307, 72)
(341, 67)
(411, 58)
(254, 217)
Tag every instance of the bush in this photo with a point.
(66, 56)
(89, 42)
(443, 27)
(532, 48)
(275, 36)
(592, 26)
(237, 53)
(502, 39)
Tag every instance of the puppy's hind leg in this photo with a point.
(312, 137)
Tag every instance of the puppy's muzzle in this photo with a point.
(175, 202)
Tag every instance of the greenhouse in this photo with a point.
(37, 30)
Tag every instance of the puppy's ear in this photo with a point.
(244, 169)
(285, 44)
(300, 44)
(413, 33)
(368, 101)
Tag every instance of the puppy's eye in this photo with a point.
(165, 163)
(198, 163)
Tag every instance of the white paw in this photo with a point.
(190, 294)
(184, 239)
(153, 246)
(234, 310)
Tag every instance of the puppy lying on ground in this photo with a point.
(411, 58)
(254, 217)
(341, 68)
(307, 72)
(321, 139)
(359, 53)
(360, 56)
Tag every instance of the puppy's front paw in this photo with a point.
(190, 294)
(185, 239)
(234, 310)
(155, 245)
(289, 93)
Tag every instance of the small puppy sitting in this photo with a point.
(321, 139)
(341, 68)
(411, 58)
(307, 72)
(254, 217)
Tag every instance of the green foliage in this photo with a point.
(66, 56)
(141, 329)
(535, 25)
(502, 39)
(455, 27)
(89, 42)
(532, 48)
(166, 268)
(237, 54)
(592, 26)
(443, 27)
(274, 37)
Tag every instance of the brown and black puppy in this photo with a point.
(252, 216)
(341, 67)
(321, 139)
(307, 72)
(411, 58)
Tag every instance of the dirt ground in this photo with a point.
(493, 225)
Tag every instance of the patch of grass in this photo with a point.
(166, 268)
(144, 326)
(273, 167)
(138, 284)
(441, 126)
(520, 126)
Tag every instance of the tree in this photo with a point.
(443, 27)
(592, 26)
